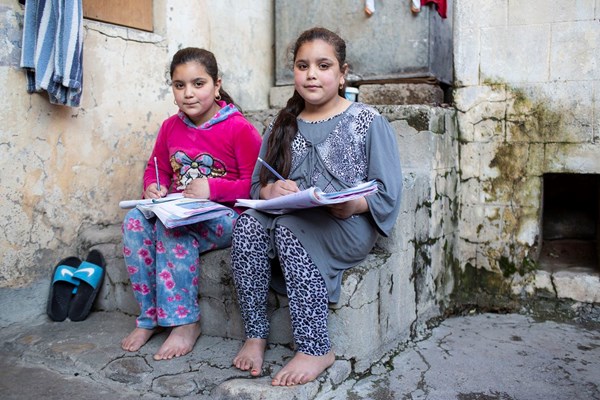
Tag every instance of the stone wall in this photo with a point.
(527, 97)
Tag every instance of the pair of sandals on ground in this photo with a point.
(75, 286)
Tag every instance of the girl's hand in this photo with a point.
(349, 208)
(278, 188)
(152, 192)
(197, 189)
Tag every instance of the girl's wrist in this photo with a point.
(264, 191)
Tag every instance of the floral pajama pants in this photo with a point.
(163, 265)
(306, 290)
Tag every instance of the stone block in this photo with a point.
(260, 389)
(484, 122)
(573, 158)
(470, 192)
(528, 13)
(577, 286)
(398, 239)
(472, 96)
(481, 14)
(543, 282)
(400, 93)
(567, 118)
(415, 146)
(356, 335)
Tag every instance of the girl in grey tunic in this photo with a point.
(319, 139)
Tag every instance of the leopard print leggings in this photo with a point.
(306, 288)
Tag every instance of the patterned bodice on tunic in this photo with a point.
(342, 154)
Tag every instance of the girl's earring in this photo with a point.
(175, 102)
(218, 97)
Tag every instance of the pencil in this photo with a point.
(271, 169)
(157, 180)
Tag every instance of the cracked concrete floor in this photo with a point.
(479, 357)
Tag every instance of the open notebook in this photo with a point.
(176, 210)
(312, 197)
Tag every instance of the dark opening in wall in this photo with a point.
(570, 222)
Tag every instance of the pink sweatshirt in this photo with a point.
(224, 150)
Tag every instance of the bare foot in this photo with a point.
(303, 369)
(251, 356)
(181, 341)
(137, 338)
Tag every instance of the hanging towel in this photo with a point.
(52, 52)
(440, 4)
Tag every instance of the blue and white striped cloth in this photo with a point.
(53, 49)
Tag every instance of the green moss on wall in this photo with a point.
(532, 120)
(480, 288)
(528, 121)
(507, 267)
(419, 120)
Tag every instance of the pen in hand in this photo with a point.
(271, 169)
(157, 179)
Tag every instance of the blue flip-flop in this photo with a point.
(62, 288)
(90, 275)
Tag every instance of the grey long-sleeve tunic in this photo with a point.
(355, 146)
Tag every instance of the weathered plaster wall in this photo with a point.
(528, 103)
(63, 170)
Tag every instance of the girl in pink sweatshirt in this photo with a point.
(208, 150)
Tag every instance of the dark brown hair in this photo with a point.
(207, 60)
(285, 126)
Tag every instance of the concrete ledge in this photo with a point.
(582, 287)
(401, 93)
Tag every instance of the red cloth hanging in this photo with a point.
(441, 6)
